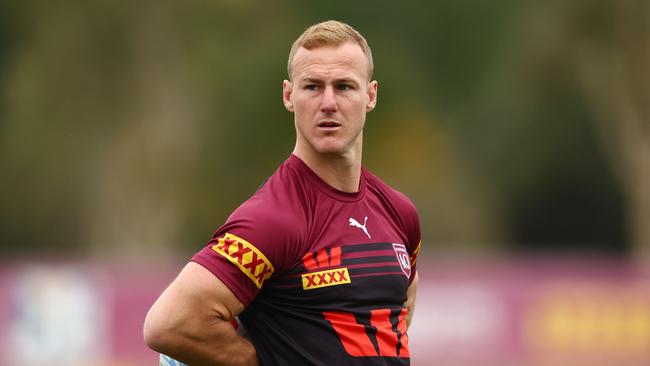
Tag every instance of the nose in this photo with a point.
(328, 103)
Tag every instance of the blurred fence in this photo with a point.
(470, 311)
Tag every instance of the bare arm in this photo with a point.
(190, 322)
(410, 299)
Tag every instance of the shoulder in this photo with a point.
(274, 219)
(280, 197)
(279, 202)
(263, 236)
(400, 207)
(396, 199)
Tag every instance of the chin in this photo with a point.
(328, 145)
(330, 151)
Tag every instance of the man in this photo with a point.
(319, 265)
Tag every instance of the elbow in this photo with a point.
(155, 335)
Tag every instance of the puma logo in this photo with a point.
(356, 223)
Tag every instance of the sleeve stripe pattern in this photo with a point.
(414, 256)
(250, 260)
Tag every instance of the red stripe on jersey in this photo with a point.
(370, 253)
(336, 257)
(377, 274)
(309, 262)
(403, 338)
(378, 264)
(386, 338)
(322, 258)
(352, 334)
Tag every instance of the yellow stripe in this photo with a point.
(416, 252)
(229, 245)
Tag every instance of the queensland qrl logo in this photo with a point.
(246, 256)
(320, 279)
(403, 258)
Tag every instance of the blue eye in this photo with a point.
(344, 86)
(311, 87)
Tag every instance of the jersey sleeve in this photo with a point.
(256, 242)
(414, 239)
(408, 216)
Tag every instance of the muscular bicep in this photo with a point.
(195, 299)
(410, 299)
(198, 288)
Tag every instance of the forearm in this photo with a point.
(199, 343)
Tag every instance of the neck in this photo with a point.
(340, 172)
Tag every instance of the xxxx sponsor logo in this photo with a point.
(332, 277)
(250, 260)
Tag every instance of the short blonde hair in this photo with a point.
(330, 33)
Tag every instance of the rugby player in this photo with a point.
(318, 265)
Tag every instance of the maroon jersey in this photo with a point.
(323, 273)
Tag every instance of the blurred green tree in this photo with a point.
(138, 126)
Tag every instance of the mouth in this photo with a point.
(329, 125)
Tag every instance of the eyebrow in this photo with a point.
(312, 80)
(336, 81)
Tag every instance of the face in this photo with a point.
(330, 95)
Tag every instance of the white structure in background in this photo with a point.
(57, 316)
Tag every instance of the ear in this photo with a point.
(287, 90)
(372, 95)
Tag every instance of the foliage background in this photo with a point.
(136, 127)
